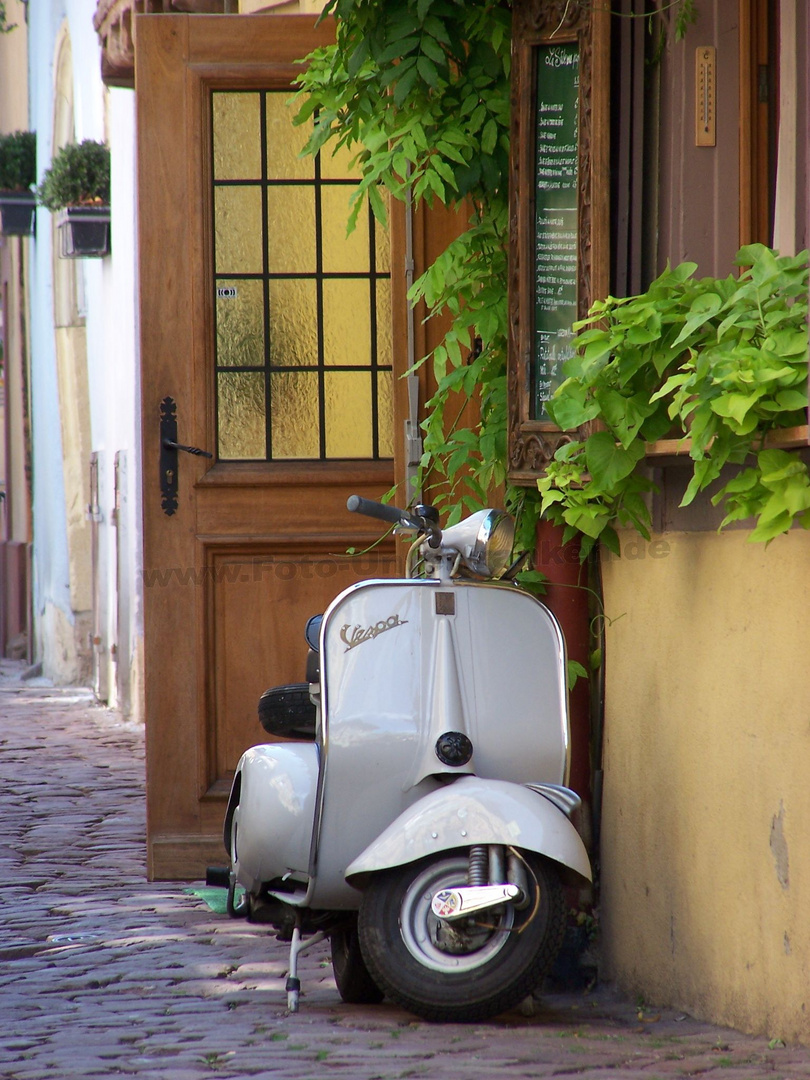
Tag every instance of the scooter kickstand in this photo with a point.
(298, 945)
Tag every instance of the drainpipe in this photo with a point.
(413, 439)
(568, 596)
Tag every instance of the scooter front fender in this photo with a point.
(471, 811)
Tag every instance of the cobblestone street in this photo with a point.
(105, 974)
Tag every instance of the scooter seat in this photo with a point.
(287, 711)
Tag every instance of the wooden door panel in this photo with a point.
(253, 548)
(260, 601)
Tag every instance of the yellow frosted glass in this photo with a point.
(241, 415)
(342, 254)
(336, 164)
(294, 412)
(384, 350)
(291, 230)
(238, 230)
(237, 136)
(346, 322)
(285, 142)
(347, 397)
(385, 414)
(293, 328)
(382, 241)
(240, 323)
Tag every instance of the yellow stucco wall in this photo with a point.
(705, 838)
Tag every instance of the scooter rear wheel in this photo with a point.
(355, 984)
(467, 970)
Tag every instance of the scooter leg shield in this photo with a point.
(273, 812)
(474, 811)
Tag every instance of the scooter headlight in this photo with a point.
(484, 540)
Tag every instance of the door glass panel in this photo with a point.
(285, 142)
(385, 397)
(337, 164)
(303, 311)
(346, 326)
(384, 343)
(242, 411)
(240, 323)
(382, 254)
(342, 254)
(348, 414)
(293, 331)
(237, 137)
(291, 230)
(237, 228)
(295, 399)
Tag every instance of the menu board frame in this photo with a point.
(548, 289)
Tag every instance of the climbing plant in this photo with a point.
(419, 90)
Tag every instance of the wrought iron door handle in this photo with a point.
(169, 447)
(188, 449)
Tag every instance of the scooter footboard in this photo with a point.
(475, 811)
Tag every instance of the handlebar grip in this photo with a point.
(358, 505)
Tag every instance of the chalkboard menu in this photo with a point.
(556, 187)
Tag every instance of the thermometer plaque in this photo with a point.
(705, 95)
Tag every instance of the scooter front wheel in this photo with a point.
(465, 970)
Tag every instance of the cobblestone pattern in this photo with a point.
(106, 975)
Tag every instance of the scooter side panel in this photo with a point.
(475, 811)
(271, 834)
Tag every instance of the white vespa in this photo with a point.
(423, 826)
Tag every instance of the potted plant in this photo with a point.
(77, 188)
(18, 173)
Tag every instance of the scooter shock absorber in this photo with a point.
(478, 869)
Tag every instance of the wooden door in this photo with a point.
(265, 341)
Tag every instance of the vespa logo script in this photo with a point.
(358, 635)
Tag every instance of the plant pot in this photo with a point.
(17, 213)
(84, 232)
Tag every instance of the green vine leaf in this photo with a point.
(726, 365)
(608, 461)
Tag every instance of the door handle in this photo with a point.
(169, 447)
(188, 449)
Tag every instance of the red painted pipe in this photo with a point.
(567, 597)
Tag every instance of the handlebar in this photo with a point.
(358, 505)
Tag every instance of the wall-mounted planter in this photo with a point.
(84, 232)
(17, 213)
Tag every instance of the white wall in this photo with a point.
(108, 288)
(51, 588)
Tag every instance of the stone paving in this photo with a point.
(104, 974)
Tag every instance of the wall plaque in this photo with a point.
(559, 212)
(556, 218)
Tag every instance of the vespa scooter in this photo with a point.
(421, 822)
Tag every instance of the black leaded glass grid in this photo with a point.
(371, 364)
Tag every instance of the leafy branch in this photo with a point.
(418, 90)
(716, 363)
